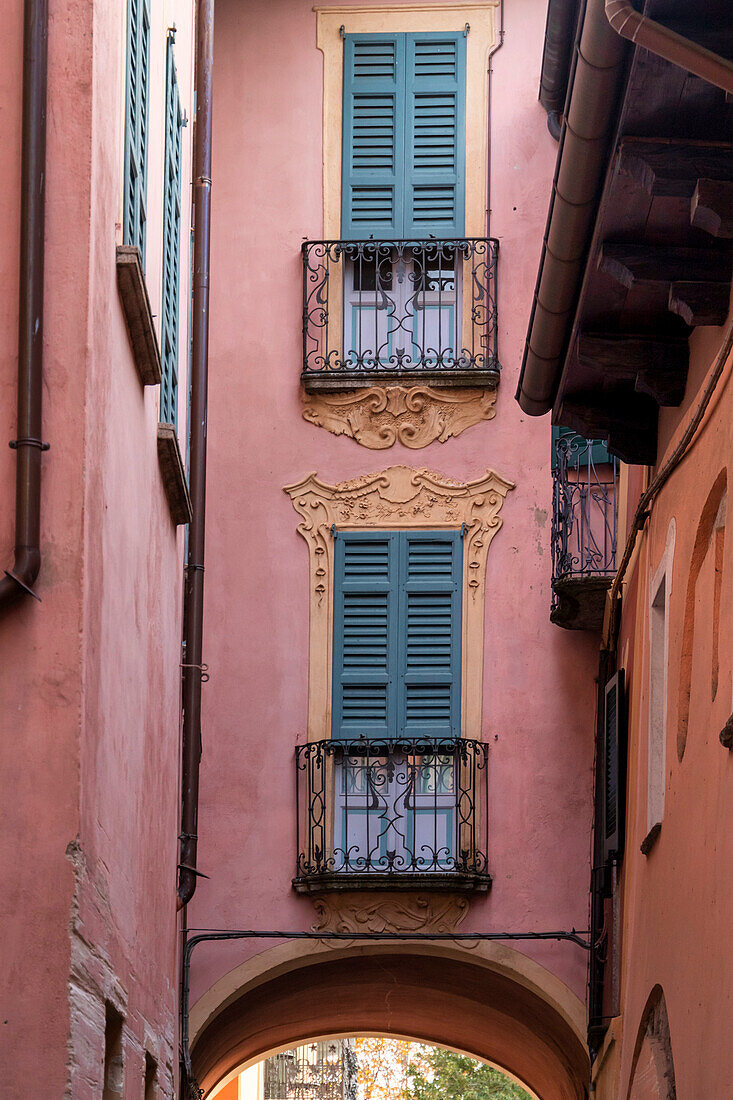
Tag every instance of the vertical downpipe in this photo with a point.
(495, 50)
(193, 613)
(19, 580)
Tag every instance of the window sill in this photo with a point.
(174, 475)
(453, 881)
(319, 382)
(138, 315)
(651, 838)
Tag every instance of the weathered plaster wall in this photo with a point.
(538, 683)
(677, 900)
(40, 644)
(90, 675)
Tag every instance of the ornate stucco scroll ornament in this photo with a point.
(399, 497)
(365, 913)
(412, 415)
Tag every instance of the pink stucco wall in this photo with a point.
(538, 685)
(90, 707)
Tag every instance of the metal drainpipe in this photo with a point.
(193, 612)
(663, 42)
(488, 155)
(593, 87)
(19, 580)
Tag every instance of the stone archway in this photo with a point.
(489, 1001)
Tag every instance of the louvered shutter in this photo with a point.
(136, 125)
(435, 129)
(429, 641)
(365, 634)
(614, 766)
(373, 137)
(171, 243)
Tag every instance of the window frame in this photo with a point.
(397, 497)
(481, 39)
(658, 680)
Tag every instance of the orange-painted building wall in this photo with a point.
(675, 900)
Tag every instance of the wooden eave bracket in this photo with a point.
(174, 475)
(138, 314)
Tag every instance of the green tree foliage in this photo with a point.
(436, 1074)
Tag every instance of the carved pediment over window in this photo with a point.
(402, 498)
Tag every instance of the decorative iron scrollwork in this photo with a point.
(583, 538)
(376, 808)
(407, 306)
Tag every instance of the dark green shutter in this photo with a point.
(598, 451)
(171, 242)
(397, 634)
(136, 124)
(429, 657)
(614, 766)
(435, 128)
(373, 136)
(365, 633)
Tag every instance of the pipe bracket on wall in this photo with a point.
(15, 443)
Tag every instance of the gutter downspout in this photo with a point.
(494, 51)
(557, 57)
(581, 161)
(19, 580)
(193, 613)
(665, 43)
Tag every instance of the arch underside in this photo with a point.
(453, 1002)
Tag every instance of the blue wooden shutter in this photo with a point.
(171, 242)
(435, 128)
(365, 634)
(429, 640)
(136, 124)
(373, 138)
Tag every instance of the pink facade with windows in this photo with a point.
(268, 650)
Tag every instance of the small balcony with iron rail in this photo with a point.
(583, 538)
(392, 814)
(416, 311)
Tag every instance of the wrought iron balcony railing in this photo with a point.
(408, 310)
(326, 1070)
(583, 539)
(392, 813)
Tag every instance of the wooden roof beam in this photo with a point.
(698, 280)
(654, 366)
(711, 207)
(672, 168)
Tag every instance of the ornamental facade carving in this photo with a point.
(415, 416)
(365, 913)
(398, 497)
